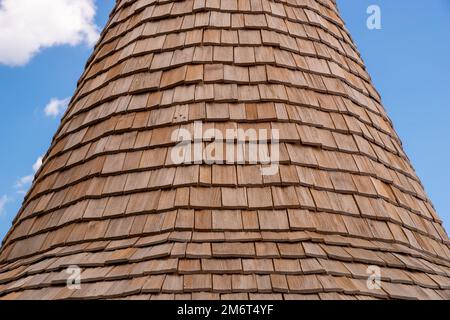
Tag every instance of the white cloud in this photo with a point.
(26, 181)
(37, 164)
(3, 200)
(55, 107)
(27, 26)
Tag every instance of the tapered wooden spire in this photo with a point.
(342, 215)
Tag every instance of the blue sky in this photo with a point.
(407, 59)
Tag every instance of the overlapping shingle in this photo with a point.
(111, 200)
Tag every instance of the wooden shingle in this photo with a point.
(112, 199)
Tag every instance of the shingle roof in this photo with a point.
(110, 199)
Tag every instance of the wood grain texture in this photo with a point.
(110, 199)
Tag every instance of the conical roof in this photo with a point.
(342, 207)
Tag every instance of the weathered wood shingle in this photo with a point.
(110, 199)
